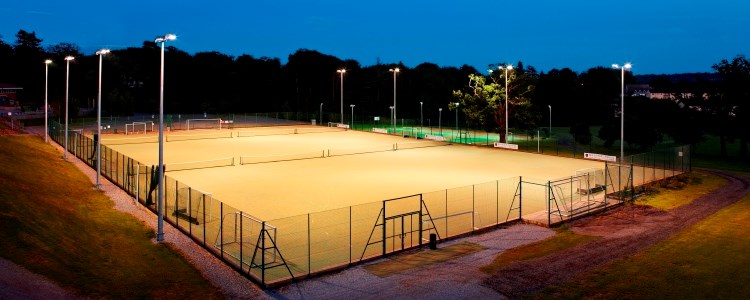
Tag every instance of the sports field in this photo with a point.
(352, 167)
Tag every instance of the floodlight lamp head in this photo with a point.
(615, 66)
(342, 71)
(102, 51)
(489, 71)
(69, 58)
(166, 37)
(48, 61)
(440, 109)
(351, 105)
(628, 65)
(509, 67)
(396, 70)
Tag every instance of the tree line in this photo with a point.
(212, 82)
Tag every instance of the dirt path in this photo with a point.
(626, 231)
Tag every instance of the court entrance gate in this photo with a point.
(401, 224)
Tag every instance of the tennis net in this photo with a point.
(414, 145)
(287, 131)
(361, 150)
(203, 164)
(282, 131)
(247, 160)
(133, 140)
(201, 136)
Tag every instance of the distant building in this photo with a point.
(638, 90)
(8, 99)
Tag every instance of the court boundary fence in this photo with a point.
(275, 252)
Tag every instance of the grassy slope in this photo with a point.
(708, 260)
(54, 223)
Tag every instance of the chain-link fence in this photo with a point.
(275, 251)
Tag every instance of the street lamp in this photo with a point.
(101, 54)
(342, 71)
(440, 120)
(321, 113)
(550, 119)
(352, 106)
(46, 76)
(395, 72)
(506, 68)
(160, 203)
(67, 80)
(622, 106)
(421, 116)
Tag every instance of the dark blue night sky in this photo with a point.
(657, 36)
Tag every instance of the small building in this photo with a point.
(8, 99)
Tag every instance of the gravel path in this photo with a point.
(626, 231)
(455, 279)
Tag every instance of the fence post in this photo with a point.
(384, 242)
(520, 197)
(263, 253)
(309, 247)
(204, 220)
(473, 207)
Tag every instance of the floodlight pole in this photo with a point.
(622, 107)
(160, 203)
(550, 119)
(342, 71)
(395, 72)
(440, 120)
(506, 68)
(321, 113)
(46, 106)
(352, 106)
(393, 123)
(67, 80)
(101, 54)
(457, 118)
(421, 115)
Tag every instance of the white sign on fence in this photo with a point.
(597, 156)
(435, 137)
(506, 146)
(341, 125)
(380, 130)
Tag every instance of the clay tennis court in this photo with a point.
(280, 189)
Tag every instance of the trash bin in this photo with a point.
(433, 241)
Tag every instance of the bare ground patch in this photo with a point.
(626, 230)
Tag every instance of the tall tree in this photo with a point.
(732, 101)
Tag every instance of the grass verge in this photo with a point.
(676, 192)
(54, 223)
(564, 239)
(706, 261)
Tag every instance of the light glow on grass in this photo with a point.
(53, 223)
(706, 261)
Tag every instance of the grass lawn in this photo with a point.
(564, 239)
(699, 184)
(54, 223)
(708, 260)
